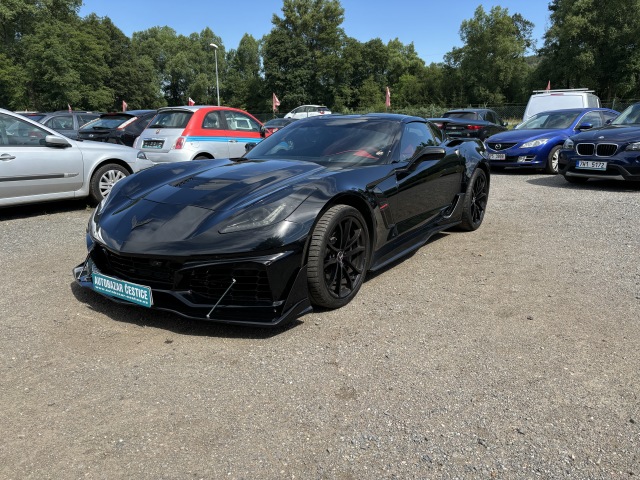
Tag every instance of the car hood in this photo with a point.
(612, 133)
(181, 208)
(516, 136)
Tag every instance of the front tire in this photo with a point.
(338, 258)
(552, 160)
(104, 179)
(475, 201)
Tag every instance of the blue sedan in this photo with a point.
(612, 152)
(536, 143)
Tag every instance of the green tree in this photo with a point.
(244, 84)
(491, 63)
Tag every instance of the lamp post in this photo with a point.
(215, 52)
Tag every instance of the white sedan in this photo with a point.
(38, 164)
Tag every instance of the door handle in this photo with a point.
(6, 157)
(233, 141)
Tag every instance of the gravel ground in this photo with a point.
(509, 352)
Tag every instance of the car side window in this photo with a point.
(63, 122)
(84, 119)
(490, 117)
(14, 131)
(416, 136)
(239, 121)
(608, 116)
(593, 118)
(212, 121)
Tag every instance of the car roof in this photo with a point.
(132, 113)
(578, 110)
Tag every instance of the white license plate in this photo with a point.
(497, 156)
(591, 165)
(132, 292)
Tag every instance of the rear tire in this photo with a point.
(103, 181)
(475, 201)
(338, 259)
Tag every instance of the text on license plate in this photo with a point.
(152, 144)
(591, 165)
(132, 292)
(497, 156)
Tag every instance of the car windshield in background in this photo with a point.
(549, 120)
(350, 141)
(171, 119)
(466, 115)
(112, 121)
(630, 116)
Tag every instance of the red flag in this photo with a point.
(124, 106)
(548, 85)
(191, 102)
(387, 101)
(275, 102)
(69, 106)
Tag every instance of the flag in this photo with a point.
(276, 102)
(191, 102)
(387, 101)
(124, 106)
(69, 106)
(548, 85)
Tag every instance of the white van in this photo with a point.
(544, 100)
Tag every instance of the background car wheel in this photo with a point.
(576, 180)
(475, 201)
(552, 160)
(202, 157)
(338, 257)
(104, 179)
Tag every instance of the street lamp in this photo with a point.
(215, 52)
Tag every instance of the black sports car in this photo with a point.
(470, 123)
(611, 152)
(296, 222)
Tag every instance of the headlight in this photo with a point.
(633, 146)
(535, 143)
(261, 216)
(568, 144)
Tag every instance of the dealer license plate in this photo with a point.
(153, 144)
(497, 156)
(591, 165)
(132, 292)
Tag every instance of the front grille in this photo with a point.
(208, 283)
(499, 146)
(606, 149)
(585, 148)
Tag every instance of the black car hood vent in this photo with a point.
(226, 187)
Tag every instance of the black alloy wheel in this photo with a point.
(475, 202)
(338, 257)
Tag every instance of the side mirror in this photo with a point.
(504, 124)
(608, 122)
(249, 146)
(585, 126)
(56, 142)
(263, 133)
(429, 153)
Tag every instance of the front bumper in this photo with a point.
(519, 158)
(623, 166)
(260, 291)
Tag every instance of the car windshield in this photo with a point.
(550, 120)
(630, 116)
(348, 141)
(106, 123)
(171, 119)
(467, 115)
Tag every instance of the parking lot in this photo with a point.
(509, 352)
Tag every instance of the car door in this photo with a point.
(30, 168)
(426, 185)
(241, 129)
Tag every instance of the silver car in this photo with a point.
(38, 164)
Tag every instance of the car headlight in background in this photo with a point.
(535, 143)
(568, 144)
(633, 146)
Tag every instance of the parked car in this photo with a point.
(36, 116)
(611, 152)
(470, 123)
(561, 99)
(304, 111)
(198, 133)
(273, 125)
(297, 222)
(537, 142)
(38, 164)
(117, 127)
(68, 123)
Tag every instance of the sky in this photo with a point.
(433, 26)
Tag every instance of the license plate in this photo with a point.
(497, 156)
(114, 287)
(591, 165)
(153, 144)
